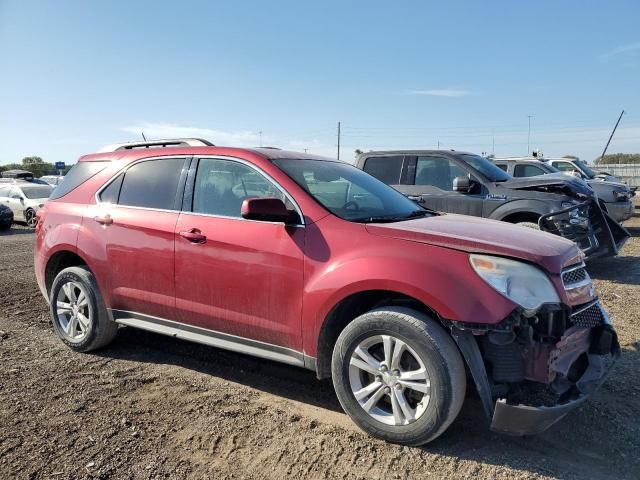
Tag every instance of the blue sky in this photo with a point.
(76, 75)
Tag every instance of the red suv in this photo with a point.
(312, 262)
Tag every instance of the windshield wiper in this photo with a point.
(394, 218)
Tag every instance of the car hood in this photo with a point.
(613, 185)
(480, 235)
(560, 180)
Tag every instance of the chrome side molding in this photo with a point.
(213, 338)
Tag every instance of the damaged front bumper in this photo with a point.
(526, 380)
(593, 230)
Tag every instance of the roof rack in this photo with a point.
(170, 142)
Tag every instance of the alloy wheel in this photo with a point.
(72, 311)
(389, 380)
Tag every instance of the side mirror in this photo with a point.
(268, 210)
(461, 184)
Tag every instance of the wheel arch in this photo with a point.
(522, 208)
(59, 261)
(351, 307)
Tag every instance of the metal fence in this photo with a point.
(627, 172)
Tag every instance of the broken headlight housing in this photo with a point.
(524, 284)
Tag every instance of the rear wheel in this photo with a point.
(78, 313)
(31, 219)
(398, 375)
(5, 226)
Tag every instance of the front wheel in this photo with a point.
(398, 375)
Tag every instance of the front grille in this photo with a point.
(589, 317)
(574, 275)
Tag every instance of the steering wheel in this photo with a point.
(350, 203)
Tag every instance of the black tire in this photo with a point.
(436, 350)
(102, 330)
(6, 226)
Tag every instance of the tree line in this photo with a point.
(614, 158)
(35, 165)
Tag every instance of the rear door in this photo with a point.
(133, 226)
(432, 184)
(238, 277)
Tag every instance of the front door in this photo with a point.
(433, 186)
(235, 276)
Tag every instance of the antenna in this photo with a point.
(611, 136)
(143, 137)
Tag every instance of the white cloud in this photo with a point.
(622, 49)
(241, 138)
(441, 92)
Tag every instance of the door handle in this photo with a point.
(194, 235)
(415, 198)
(104, 220)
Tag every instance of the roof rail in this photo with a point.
(170, 142)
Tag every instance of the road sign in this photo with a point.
(60, 165)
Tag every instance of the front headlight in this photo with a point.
(524, 284)
(620, 196)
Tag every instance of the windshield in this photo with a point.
(492, 172)
(585, 169)
(349, 193)
(39, 191)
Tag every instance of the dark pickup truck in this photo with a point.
(465, 183)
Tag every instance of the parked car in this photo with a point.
(311, 262)
(6, 217)
(25, 199)
(459, 182)
(569, 165)
(614, 197)
(52, 180)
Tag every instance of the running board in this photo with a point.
(213, 338)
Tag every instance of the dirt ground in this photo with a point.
(154, 407)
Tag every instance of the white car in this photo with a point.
(53, 180)
(25, 199)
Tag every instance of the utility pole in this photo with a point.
(260, 134)
(611, 136)
(493, 143)
(529, 136)
(338, 140)
(438, 144)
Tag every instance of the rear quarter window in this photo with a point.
(79, 173)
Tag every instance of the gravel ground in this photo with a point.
(154, 407)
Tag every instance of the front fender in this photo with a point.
(537, 207)
(440, 278)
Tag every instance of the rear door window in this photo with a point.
(527, 171)
(152, 184)
(385, 169)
